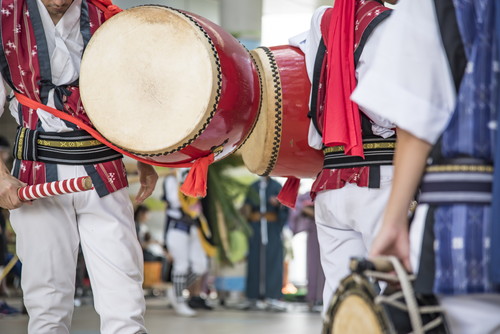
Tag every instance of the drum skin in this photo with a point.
(352, 309)
(215, 72)
(278, 145)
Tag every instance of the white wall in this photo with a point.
(283, 19)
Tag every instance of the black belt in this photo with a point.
(180, 225)
(378, 151)
(67, 148)
(457, 183)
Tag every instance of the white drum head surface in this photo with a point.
(148, 79)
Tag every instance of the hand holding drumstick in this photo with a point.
(8, 189)
(14, 192)
(42, 190)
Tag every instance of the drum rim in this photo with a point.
(368, 291)
(263, 53)
(215, 99)
(261, 89)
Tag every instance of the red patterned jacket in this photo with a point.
(25, 66)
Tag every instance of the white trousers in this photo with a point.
(465, 314)
(347, 219)
(187, 251)
(48, 235)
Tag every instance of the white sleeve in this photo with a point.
(314, 139)
(409, 82)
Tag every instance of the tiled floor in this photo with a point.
(162, 320)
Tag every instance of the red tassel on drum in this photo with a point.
(195, 184)
(107, 7)
(289, 192)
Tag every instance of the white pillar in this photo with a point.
(243, 19)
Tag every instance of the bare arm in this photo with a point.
(409, 164)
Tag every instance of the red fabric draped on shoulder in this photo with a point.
(107, 7)
(342, 124)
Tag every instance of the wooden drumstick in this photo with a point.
(42, 190)
(382, 264)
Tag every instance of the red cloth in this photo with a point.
(195, 184)
(341, 116)
(107, 7)
(289, 192)
(329, 179)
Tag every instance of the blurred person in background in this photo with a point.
(184, 223)
(302, 220)
(267, 217)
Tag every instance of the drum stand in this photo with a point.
(383, 266)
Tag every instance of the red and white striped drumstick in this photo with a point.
(42, 190)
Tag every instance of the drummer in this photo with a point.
(354, 185)
(43, 64)
(444, 99)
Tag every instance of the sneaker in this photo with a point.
(199, 303)
(171, 297)
(276, 305)
(247, 305)
(183, 309)
(179, 305)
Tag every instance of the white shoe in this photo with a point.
(171, 297)
(276, 305)
(183, 309)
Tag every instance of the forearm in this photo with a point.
(409, 163)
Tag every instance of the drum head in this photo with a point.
(353, 310)
(149, 80)
(260, 151)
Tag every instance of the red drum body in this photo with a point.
(278, 144)
(169, 86)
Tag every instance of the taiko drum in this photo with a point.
(168, 85)
(278, 145)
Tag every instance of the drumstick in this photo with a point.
(42, 190)
(378, 263)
